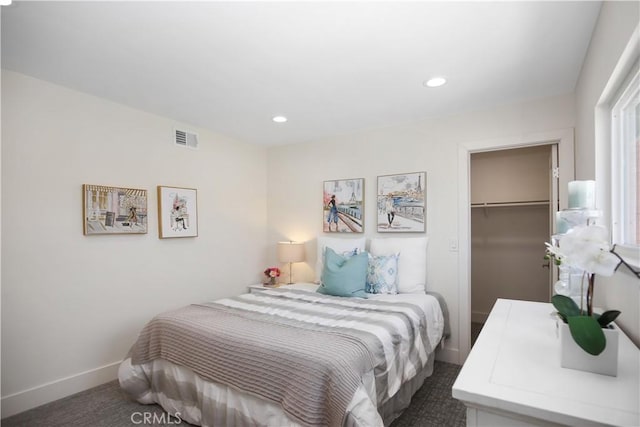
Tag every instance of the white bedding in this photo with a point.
(428, 303)
(226, 406)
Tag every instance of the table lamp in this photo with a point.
(290, 252)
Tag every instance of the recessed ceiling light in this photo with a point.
(279, 119)
(435, 82)
(5, 2)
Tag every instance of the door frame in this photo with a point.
(565, 140)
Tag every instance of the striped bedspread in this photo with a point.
(306, 352)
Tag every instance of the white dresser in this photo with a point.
(513, 377)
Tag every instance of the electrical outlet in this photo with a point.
(453, 244)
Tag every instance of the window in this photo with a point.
(625, 171)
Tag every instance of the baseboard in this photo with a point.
(446, 354)
(54, 390)
(479, 317)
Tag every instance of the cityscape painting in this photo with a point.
(343, 206)
(114, 210)
(402, 203)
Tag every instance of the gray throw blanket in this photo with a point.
(313, 374)
(305, 352)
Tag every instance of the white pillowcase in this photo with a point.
(340, 245)
(412, 263)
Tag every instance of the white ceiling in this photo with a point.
(330, 67)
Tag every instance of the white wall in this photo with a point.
(614, 29)
(615, 25)
(296, 173)
(72, 305)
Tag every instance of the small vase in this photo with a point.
(574, 357)
(272, 281)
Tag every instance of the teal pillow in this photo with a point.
(343, 277)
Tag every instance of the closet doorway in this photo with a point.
(512, 209)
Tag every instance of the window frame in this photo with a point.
(625, 99)
(621, 74)
(625, 102)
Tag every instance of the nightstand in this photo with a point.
(301, 286)
(260, 287)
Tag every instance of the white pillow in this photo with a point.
(412, 264)
(339, 245)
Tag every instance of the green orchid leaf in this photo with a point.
(587, 333)
(608, 317)
(565, 305)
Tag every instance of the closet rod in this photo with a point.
(510, 204)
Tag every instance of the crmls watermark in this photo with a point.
(152, 418)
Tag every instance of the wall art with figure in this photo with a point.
(402, 203)
(177, 212)
(113, 210)
(343, 206)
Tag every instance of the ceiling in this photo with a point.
(330, 67)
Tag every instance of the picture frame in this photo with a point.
(343, 206)
(402, 203)
(113, 210)
(177, 212)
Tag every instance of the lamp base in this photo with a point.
(290, 275)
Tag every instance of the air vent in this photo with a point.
(186, 139)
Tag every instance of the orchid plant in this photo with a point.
(585, 248)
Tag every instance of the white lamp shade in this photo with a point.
(290, 252)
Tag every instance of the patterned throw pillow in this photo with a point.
(382, 274)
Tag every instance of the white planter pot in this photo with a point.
(574, 357)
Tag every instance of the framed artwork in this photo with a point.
(177, 212)
(113, 210)
(343, 206)
(402, 203)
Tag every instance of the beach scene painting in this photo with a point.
(113, 210)
(402, 203)
(343, 206)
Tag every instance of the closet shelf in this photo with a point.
(510, 204)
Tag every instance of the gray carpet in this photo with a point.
(108, 406)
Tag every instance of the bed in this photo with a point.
(287, 356)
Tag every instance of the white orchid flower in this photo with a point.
(587, 248)
(554, 251)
